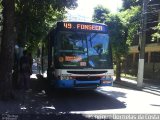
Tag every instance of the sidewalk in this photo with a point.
(147, 87)
(35, 104)
(33, 101)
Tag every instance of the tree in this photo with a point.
(7, 49)
(156, 35)
(0, 21)
(33, 20)
(127, 4)
(131, 17)
(100, 14)
(118, 36)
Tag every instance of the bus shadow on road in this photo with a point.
(44, 100)
(72, 100)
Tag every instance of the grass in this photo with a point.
(128, 76)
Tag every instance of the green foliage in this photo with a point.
(0, 6)
(34, 18)
(118, 36)
(131, 14)
(0, 13)
(127, 4)
(100, 14)
(117, 33)
(156, 35)
(131, 17)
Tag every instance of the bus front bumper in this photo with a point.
(77, 84)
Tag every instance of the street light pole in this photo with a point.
(142, 45)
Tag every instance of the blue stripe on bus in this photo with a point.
(83, 82)
(65, 83)
(72, 83)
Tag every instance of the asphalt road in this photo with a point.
(116, 99)
(105, 100)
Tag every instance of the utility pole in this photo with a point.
(142, 45)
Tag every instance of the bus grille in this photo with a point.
(88, 78)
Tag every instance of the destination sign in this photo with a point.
(82, 26)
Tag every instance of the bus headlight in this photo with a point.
(108, 77)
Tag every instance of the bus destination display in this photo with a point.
(83, 26)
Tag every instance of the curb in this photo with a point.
(126, 84)
(133, 86)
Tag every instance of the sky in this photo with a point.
(85, 8)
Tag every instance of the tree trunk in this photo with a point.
(7, 50)
(118, 70)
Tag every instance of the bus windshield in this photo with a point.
(83, 50)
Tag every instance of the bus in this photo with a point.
(79, 56)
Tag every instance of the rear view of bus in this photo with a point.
(81, 56)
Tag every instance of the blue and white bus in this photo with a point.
(79, 55)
